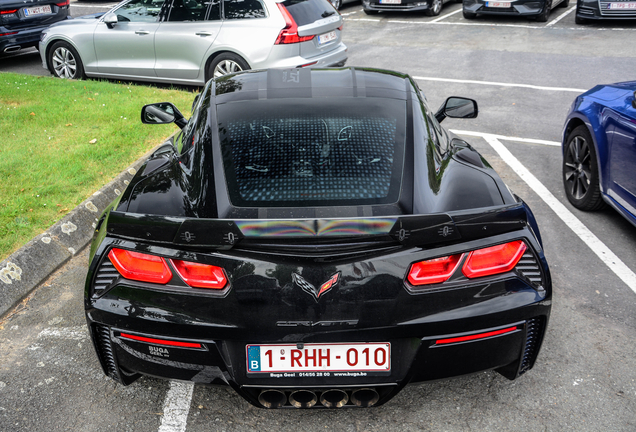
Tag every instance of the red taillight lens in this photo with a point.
(140, 267)
(5, 12)
(200, 275)
(160, 341)
(64, 3)
(475, 336)
(433, 271)
(289, 34)
(494, 259)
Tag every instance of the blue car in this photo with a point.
(599, 149)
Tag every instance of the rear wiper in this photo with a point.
(325, 14)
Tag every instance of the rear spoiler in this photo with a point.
(409, 230)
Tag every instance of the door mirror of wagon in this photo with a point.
(110, 19)
(162, 113)
(457, 107)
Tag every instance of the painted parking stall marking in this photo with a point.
(594, 243)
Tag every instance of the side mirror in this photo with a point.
(634, 101)
(162, 113)
(110, 19)
(457, 107)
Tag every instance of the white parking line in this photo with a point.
(446, 16)
(559, 18)
(499, 84)
(176, 407)
(597, 246)
(507, 138)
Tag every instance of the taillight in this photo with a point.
(199, 275)
(64, 3)
(5, 12)
(289, 34)
(165, 342)
(8, 34)
(433, 271)
(493, 260)
(140, 267)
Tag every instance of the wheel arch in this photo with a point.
(214, 55)
(53, 41)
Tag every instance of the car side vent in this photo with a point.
(105, 352)
(528, 267)
(105, 277)
(534, 331)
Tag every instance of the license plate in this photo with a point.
(498, 4)
(390, 1)
(375, 357)
(327, 37)
(37, 10)
(630, 5)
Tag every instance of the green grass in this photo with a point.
(48, 164)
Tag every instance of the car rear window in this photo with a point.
(312, 152)
(308, 11)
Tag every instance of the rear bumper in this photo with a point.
(335, 57)
(23, 38)
(407, 5)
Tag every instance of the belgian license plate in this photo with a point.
(370, 357)
(497, 4)
(390, 1)
(327, 37)
(37, 10)
(629, 5)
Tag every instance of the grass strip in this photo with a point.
(64, 139)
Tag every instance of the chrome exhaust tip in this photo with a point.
(12, 49)
(334, 398)
(303, 398)
(365, 397)
(272, 398)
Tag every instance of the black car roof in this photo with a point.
(313, 83)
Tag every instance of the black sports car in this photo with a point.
(315, 238)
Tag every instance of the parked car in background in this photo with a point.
(314, 238)
(21, 23)
(588, 10)
(537, 9)
(191, 41)
(429, 7)
(599, 149)
(338, 3)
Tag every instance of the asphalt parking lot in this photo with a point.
(524, 75)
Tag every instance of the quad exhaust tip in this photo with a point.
(303, 399)
(365, 397)
(334, 398)
(272, 398)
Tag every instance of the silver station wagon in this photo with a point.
(191, 41)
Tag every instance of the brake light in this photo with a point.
(64, 3)
(5, 12)
(433, 271)
(8, 34)
(199, 275)
(160, 341)
(289, 34)
(475, 336)
(494, 259)
(139, 266)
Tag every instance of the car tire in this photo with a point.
(64, 61)
(336, 4)
(226, 63)
(545, 13)
(580, 171)
(370, 12)
(434, 7)
(564, 3)
(468, 15)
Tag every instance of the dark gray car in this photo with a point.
(21, 23)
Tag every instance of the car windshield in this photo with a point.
(313, 152)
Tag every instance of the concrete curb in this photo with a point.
(32, 264)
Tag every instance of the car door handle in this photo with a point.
(142, 32)
(203, 33)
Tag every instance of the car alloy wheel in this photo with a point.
(545, 14)
(434, 8)
(580, 171)
(64, 63)
(226, 67)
